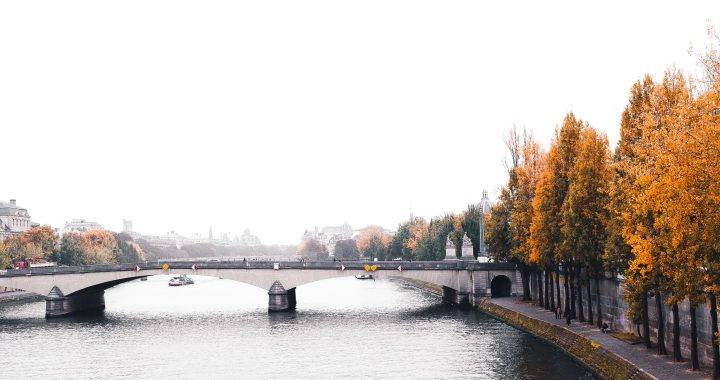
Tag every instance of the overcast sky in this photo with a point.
(282, 115)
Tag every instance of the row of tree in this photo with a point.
(86, 248)
(418, 239)
(649, 211)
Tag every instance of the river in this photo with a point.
(221, 329)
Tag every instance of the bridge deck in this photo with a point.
(253, 264)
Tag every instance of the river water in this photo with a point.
(221, 329)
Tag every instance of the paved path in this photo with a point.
(662, 367)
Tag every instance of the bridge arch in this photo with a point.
(500, 286)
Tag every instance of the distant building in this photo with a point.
(14, 219)
(485, 202)
(127, 226)
(248, 239)
(81, 225)
(485, 207)
(329, 235)
(170, 239)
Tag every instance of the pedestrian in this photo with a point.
(604, 328)
(568, 318)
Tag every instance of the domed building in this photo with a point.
(14, 219)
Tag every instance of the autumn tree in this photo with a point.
(99, 247)
(37, 243)
(527, 164)
(546, 235)
(373, 243)
(584, 212)
(647, 239)
(685, 201)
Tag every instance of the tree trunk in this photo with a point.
(578, 288)
(524, 275)
(557, 288)
(589, 301)
(693, 339)
(573, 310)
(661, 324)
(539, 279)
(566, 276)
(599, 309)
(646, 320)
(677, 354)
(715, 336)
(547, 282)
(549, 290)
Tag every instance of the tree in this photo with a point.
(684, 198)
(647, 271)
(37, 243)
(346, 250)
(457, 234)
(439, 229)
(471, 225)
(99, 247)
(527, 165)
(71, 250)
(128, 250)
(584, 212)
(497, 232)
(313, 249)
(546, 237)
(398, 245)
(373, 243)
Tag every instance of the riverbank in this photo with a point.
(606, 356)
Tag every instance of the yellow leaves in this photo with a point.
(418, 231)
(370, 236)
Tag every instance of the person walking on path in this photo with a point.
(568, 318)
(558, 313)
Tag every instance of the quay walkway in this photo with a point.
(658, 366)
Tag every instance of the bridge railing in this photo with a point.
(253, 264)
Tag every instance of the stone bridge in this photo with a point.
(68, 290)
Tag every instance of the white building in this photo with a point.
(330, 235)
(14, 219)
(170, 239)
(81, 225)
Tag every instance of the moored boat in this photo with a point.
(181, 280)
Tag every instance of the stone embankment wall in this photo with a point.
(601, 362)
(614, 310)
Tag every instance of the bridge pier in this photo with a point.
(456, 298)
(59, 305)
(280, 299)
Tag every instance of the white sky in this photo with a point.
(281, 115)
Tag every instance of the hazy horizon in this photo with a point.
(274, 117)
